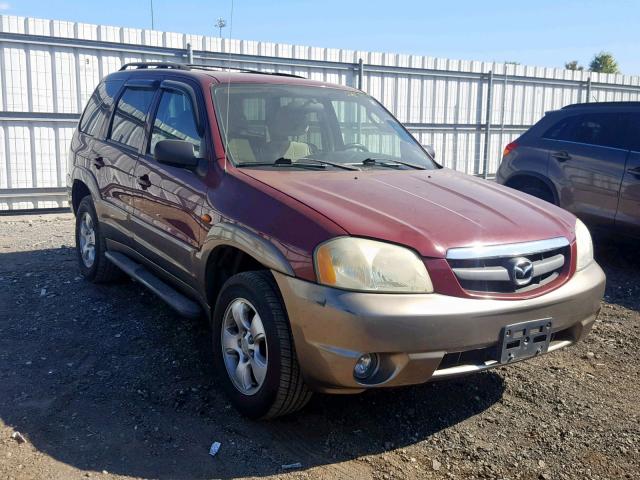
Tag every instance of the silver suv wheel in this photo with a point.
(244, 346)
(87, 240)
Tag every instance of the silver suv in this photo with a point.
(584, 158)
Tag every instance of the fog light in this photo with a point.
(365, 366)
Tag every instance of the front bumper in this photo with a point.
(412, 333)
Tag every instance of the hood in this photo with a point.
(428, 210)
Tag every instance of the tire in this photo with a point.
(256, 394)
(94, 267)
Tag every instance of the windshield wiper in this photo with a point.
(282, 162)
(287, 162)
(391, 163)
(333, 164)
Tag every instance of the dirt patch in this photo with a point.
(107, 382)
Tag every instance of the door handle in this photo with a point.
(561, 156)
(98, 162)
(144, 181)
(634, 171)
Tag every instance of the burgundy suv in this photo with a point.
(328, 249)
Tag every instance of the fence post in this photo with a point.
(487, 131)
(189, 53)
(360, 74)
(588, 90)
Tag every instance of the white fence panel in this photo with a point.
(49, 68)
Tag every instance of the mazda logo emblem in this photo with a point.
(520, 270)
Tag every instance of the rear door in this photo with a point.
(587, 159)
(167, 224)
(115, 158)
(628, 216)
(112, 175)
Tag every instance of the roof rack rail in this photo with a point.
(205, 66)
(143, 65)
(601, 104)
(198, 66)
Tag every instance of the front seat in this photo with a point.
(288, 122)
(238, 143)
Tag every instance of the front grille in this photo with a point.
(492, 269)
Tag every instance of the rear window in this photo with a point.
(130, 116)
(602, 129)
(98, 106)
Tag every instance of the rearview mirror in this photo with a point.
(175, 152)
(430, 150)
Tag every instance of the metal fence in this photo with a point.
(468, 110)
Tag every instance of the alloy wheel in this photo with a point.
(244, 346)
(87, 239)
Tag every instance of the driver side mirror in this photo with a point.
(177, 153)
(430, 150)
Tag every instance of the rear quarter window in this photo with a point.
(97, 110)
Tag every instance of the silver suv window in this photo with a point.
(602, 129)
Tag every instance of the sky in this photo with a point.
(533, 32)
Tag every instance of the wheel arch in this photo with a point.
(522, 177)
(232, 249)
(83, 184)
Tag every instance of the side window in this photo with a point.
(634, 132)
(602, 129)
(98, 107)
(131, 112)
(176, 120)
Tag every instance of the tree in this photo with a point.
(573, 65)
(604, 63)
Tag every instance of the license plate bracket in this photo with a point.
(524, 340)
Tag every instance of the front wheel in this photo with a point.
(253, 348)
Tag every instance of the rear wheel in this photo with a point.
(253, 348)
(90, 246)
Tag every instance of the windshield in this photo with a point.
(294, 126)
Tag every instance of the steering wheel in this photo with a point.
(355, 146)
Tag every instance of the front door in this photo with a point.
(628, 216)
(167, 224)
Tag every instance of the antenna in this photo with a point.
(226, 127)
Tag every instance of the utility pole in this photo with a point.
(220, 24)
(152, 22)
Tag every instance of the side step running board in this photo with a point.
(180, 303)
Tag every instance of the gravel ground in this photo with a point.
(106, 382)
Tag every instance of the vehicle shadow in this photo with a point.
(620, 261)
(106, 377)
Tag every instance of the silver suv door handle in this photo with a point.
(561, 156)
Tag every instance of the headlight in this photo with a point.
(362, 264)
(584, 245)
